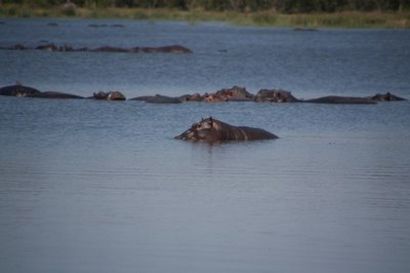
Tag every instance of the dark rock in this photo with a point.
(273, 95)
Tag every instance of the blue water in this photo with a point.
(307, 63)
(91, 186)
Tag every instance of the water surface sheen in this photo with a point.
(91, 186)
(308, 63)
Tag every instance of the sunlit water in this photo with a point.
(91, 186)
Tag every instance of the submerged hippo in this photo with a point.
(212, 130)
(158, 99)
(386, 97)
(342, 100)
(19, 90)
(112, 95)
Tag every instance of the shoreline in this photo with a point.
(345, 19)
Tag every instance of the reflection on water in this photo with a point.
(96, 186)
(91, 186)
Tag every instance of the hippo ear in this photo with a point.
(211, 121)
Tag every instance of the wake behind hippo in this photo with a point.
(212, 131)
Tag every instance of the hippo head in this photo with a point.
(200, 131)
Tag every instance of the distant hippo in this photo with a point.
(212, 131)
(275, 95)
(166, 49)
(356, 100)
(112, 95)
(18, 90)
(386, 97)
(342, 100)
(158, 99)
(56, 95)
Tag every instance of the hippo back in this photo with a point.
(226, 132)
(256, 133)
(18, 91)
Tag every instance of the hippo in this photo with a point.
(211, 130)
(236, 93)
(56, 95)
(48, 47)
(386, 97)
(166, 49)
(158, 99)
(191, 97)
(18, 90)
(356, 100)
(273, 95)
(112, 95)
(110, 49)
(342, 100)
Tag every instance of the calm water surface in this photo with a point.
(89, 186)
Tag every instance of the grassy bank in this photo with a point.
(261, 18)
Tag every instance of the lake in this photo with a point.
(95, 186)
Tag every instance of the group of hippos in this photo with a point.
(233, 94)
(237, 93)
(208, 130)
(68, 48)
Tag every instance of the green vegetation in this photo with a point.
(282, 6)
(295, 13)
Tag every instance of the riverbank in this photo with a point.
(348, 19)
